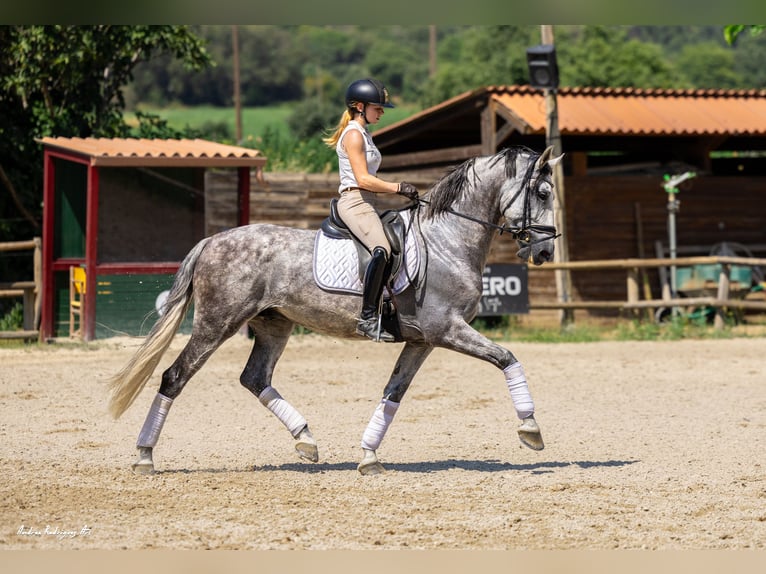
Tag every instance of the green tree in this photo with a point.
(478, 56)
(68, 81)
(673, 39)
(733, 31)
(587, 56)
(750, 60)
(708, 65)
(601, 56)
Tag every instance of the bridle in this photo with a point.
(522, 234)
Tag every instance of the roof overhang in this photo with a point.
(134, 152)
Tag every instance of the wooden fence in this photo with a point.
(721, 301)
(29, 291)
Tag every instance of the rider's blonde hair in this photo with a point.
(332, 139)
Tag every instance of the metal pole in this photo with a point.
(672, 209)
(671, 187)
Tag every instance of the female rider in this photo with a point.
(358, 162)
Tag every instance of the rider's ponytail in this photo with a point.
(332, 140)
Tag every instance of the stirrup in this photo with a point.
(372, 329)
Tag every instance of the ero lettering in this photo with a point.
(494, 286)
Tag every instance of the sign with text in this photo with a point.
(505, 290)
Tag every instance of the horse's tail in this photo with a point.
(126, 385)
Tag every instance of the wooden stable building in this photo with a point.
(124, 213)
(619, 143)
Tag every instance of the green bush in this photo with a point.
(286, 152)
(14, 320)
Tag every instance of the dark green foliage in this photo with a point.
(14, 319)
(68, 81)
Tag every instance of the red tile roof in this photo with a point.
(623, 111)
(157, 152)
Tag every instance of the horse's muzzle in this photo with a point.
(538, 255)
(537, 245)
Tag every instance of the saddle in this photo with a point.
(393, 226)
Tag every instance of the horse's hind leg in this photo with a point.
(410, 360)
(189, 361)
(271, 333)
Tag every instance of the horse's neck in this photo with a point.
(457, 238)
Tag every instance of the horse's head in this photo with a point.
(528, 198)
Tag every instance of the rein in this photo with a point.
(519, 233)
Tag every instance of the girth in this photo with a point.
(393, 226)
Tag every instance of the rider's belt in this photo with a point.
(351, 189)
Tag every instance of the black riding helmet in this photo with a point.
(367, 91)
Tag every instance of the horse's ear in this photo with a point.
(553, 162)
(543, 159)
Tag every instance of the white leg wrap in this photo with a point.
(378, 425)
(283, 410)
(158, 412)
(517, 384)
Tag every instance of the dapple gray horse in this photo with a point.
(261, 275)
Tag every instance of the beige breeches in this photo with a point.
(358, 209)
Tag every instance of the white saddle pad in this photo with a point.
(336, 263)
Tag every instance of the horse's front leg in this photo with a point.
(463, 338)
(408, 363)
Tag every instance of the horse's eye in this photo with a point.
(543, 193)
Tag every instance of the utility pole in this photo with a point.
(237, 101)
(553, 138)
(432, 50)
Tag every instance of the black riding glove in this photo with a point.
(408, 190)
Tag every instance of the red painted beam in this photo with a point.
(243, 196)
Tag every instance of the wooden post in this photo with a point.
(237, 97)
(723, 295)
(553, 138)
(632, 287)
(37, 264)
(489, 129)
(431, 51)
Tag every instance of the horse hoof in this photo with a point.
(144, 464)
(307, 450)
(529, 434)
(370, 465)
(306, 446)
(143, 467)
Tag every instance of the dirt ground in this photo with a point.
(649, 445)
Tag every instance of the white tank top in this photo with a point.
(372, 153)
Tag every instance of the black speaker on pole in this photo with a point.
(543, 69)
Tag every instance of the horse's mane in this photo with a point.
(452, 186)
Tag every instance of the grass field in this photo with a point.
(255, 121)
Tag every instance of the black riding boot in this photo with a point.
(375, 278)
